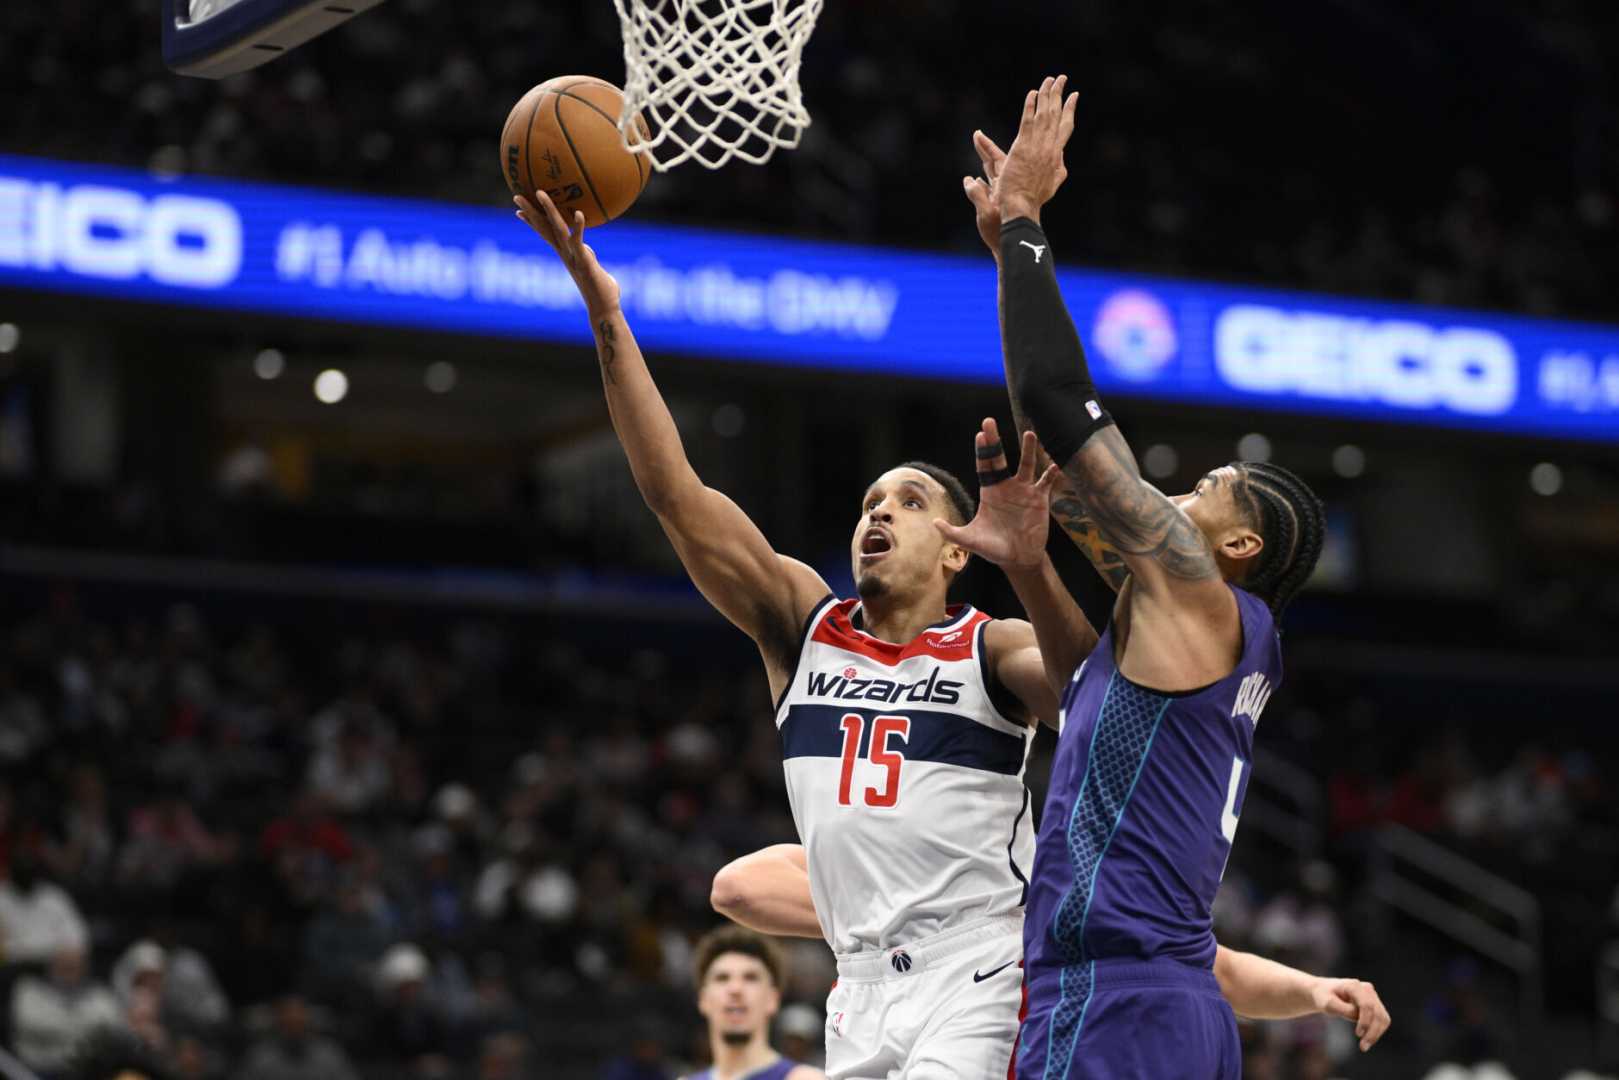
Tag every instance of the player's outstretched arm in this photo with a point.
(1165, 552)
(765, 594)
(1066, 508)
(768, 891)
(1262, 989)
(1010, 530)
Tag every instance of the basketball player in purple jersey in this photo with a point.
(739, 976)
(769, 890)
(904, 723)
(1148, 780)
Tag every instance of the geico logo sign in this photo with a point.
(1409, 365)
(107, 232)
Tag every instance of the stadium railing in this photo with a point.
(1284, 802)
(1406, 867)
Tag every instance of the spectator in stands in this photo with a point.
(1457, 1020)
(295, 1051)
(343, 943)
(305, 848)
(167, 841)
(50, 1016)
(137, 980)
(645, 1053)
(1261, 1060)
(524, 883)
(801, 1034)
(116, 1054)
(504, 1057)
(1303, 924)
(83, 846)
(193, 1000)
(23, 725)
(408, 1027)
(493, 1008)
(192, 1059)
(350, 772)
(37, 918)
(438, 908)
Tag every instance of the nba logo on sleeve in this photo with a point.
(1252, 696)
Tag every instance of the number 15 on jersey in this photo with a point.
(885, 732)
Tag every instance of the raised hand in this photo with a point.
(596, 286)
(1012, 522)
(981, 192)
(1034, 169)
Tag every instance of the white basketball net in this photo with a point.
(715, 79)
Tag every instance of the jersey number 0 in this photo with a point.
(881, 754)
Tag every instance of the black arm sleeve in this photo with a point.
(1045, 360)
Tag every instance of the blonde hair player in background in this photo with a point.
(739, 979)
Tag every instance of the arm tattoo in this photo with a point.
(1087, 537)
(1076, 521)
(1132, 515)
(607, 350)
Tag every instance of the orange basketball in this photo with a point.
(562, 138)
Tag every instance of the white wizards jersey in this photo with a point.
(906, 781)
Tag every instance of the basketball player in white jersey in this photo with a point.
(904, 724)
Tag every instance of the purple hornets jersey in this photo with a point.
(1142, 809)
(776, 1071)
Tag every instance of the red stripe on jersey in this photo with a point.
(1022, 1015)
(953, 642)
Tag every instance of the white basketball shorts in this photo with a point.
(943, 1008)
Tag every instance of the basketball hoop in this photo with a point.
(716, 79)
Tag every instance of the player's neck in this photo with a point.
(898, 620)
(734, 1062)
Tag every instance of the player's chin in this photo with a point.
(869, 584)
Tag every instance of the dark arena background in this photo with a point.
(347, 686)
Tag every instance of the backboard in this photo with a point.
(215, 38)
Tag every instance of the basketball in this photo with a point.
(562, 138)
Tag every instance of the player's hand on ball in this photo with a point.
(1034, 169)
(1012, 522)
(981, 192)
(596, 285)
(1355, 1001)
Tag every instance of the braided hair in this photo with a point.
(1292, 521)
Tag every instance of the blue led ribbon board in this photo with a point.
(300, 253)
(215, 38)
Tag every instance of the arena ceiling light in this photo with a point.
(215, 38)
(331, 386)
(1546, 479)
(1160, 461)
(269, 364)
(1349, 461)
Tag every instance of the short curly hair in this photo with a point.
(737, 939)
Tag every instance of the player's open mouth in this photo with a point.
(874, 545)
